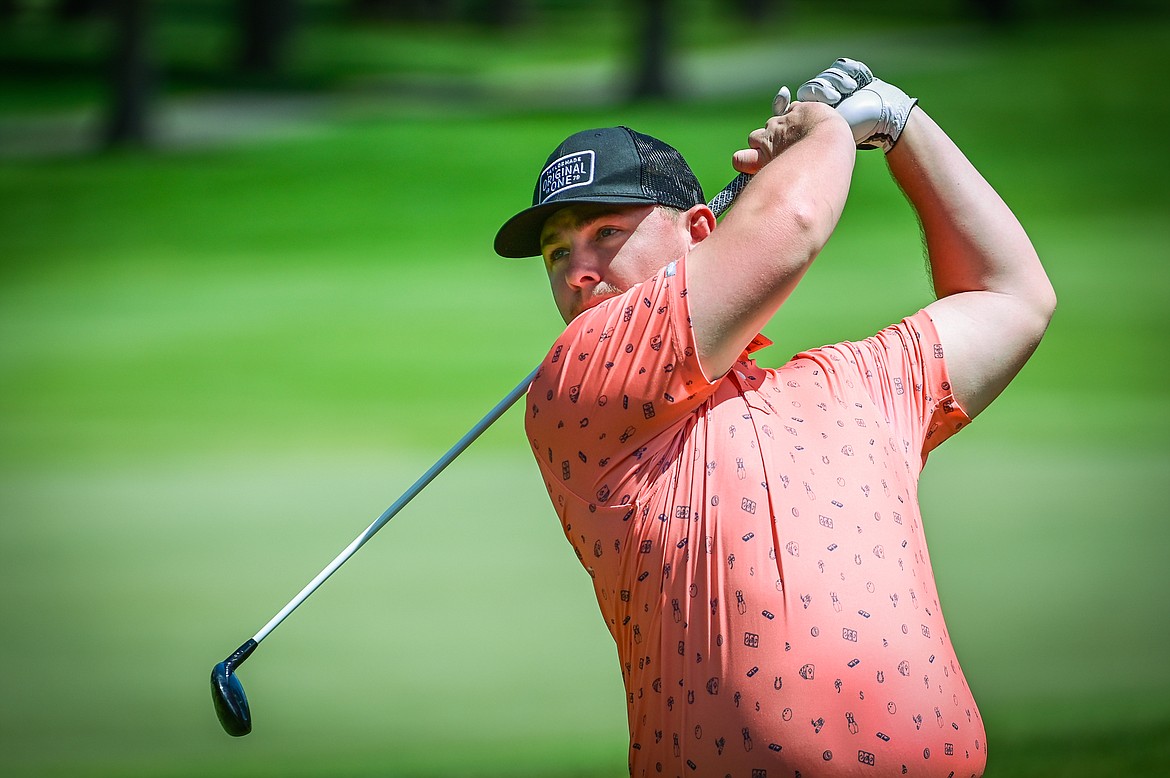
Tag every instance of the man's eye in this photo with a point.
(606, 232)
(556, 254)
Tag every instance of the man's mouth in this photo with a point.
(597, 296)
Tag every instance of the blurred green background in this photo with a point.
(229, 342)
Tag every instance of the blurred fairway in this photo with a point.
(218, 365)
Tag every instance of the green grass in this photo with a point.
(217, 366)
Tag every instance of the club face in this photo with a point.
(230, 703)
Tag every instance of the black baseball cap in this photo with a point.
(613, 165)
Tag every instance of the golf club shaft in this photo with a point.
(231, 705)
(407, 496)
(720, 203)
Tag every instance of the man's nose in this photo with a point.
(584, 269)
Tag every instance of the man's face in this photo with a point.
(594, 251)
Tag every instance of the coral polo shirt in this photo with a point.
(755, 543)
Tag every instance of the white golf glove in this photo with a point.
(876, 111)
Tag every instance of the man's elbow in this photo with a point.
(812, 222)
(1046, 306)
(1041, 302)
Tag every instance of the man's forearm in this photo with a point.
(995, 300)
(740, 275)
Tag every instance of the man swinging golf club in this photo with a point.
(753, 534)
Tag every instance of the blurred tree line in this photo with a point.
(264, 33)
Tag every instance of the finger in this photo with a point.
(835, 83)
(758, 152)
(819, 90)
(859, 72)
(747, 161)
(781, 102)
(751, 159)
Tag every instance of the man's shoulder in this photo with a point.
(620, 373)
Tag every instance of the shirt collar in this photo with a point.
(758, 342)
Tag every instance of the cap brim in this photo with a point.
(520, 235)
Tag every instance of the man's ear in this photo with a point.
(700, 221)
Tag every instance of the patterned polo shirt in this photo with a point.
(755, 543)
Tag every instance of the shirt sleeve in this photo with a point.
(619, 376)
(904, 371)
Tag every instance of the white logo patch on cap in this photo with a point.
(571, 170)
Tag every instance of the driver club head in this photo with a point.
(227, 693)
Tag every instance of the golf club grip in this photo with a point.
(722, 201)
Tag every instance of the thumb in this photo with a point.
(747, 161)
(751, 160)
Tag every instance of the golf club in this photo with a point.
(227, 693)
(231, 705)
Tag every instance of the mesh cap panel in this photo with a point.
(665, 175)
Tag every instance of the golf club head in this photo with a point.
(227, 693)
(230, 703)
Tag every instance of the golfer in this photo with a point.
(753, 534)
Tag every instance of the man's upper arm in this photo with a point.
(995, 300)
(740, 275)
(987, 337)
(620, 374)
